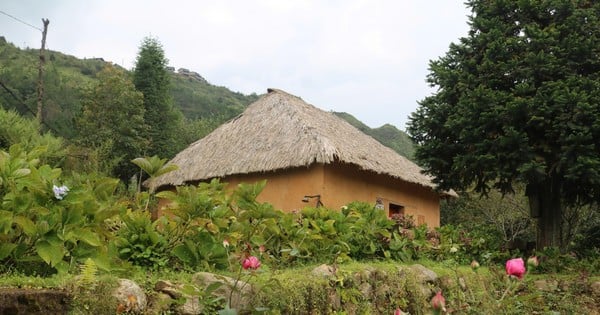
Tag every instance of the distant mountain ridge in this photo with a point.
(65, 77)
(387, 135)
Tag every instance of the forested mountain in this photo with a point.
(66, 78)
(387, 135)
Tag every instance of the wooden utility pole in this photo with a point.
(40, 87)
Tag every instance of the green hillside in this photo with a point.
(387, 135)
(66, 76)
(196, 98)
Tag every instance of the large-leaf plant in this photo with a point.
(39, 227)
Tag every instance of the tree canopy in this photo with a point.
(518, 100)
(152, 78)
(112, 122)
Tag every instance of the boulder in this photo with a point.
(324, 271)
(189, 304)
(366, 289)
(130, 297)
(159, 303)
(595, 287)
(422, 274)
(239, 291)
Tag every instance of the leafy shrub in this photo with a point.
(139, 241)
(57, 228)
(195, 222)
(587, 244)
(14, 129)
(368, 231)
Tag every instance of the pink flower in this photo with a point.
(251, 263)
(474, 265)
(438, 302)
(398, 311)
(225, 243)
(515, 267)
(533, 262)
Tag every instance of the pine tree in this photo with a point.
(518, 101)
(151, 77)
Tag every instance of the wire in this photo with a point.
(22, 103)
(17, 19)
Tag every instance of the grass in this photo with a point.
(363, 288)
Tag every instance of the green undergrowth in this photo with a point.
(354, 288)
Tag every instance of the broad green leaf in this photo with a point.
(51, 254)
(105, 188)
(6, 249)
(385, 233)
(144, 164)
(6, 221)
(42, 227)
(257, 240)
(211, 227)
(26, 224)
(88, 236)
(102, 261)
(22, 172)
(48, 173)
(166, 169)
(184, 253)
(154, 166)
(62, 267)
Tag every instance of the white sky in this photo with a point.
(367, 58)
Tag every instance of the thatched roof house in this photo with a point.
(304, 151)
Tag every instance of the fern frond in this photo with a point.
(89, 273)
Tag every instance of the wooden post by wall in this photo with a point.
(40, 87)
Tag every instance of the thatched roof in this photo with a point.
(281, 131)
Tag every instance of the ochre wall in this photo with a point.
(285, 189)
(345, 183)
(339, 184)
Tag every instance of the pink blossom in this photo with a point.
(251, 263)
(438, 302)
(515, 267)
(398, 311)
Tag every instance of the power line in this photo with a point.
(22, 103)
(17, 19)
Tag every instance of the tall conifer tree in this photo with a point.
(151, 77)
(518, 100)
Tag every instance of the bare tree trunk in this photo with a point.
(545, 204)
(40, 86)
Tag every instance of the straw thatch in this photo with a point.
(281, 131)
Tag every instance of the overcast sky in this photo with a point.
(368, 58)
